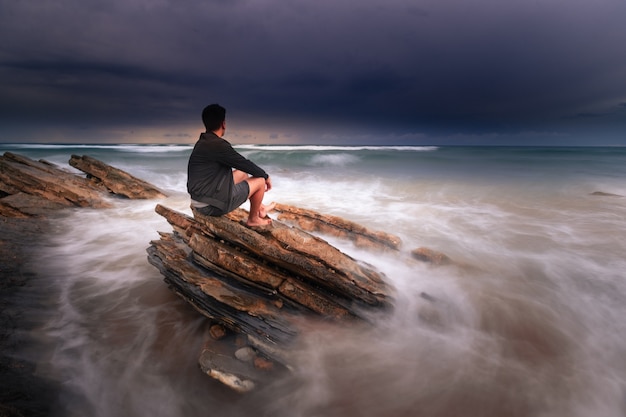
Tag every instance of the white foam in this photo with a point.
(533, 304)
(321, 148)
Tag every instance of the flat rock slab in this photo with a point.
(313, 221)
(234, 363)
(117, 181)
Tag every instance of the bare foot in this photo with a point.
(258, 222)
(266, 209)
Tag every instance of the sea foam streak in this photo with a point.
(122, 148)
(322, 148)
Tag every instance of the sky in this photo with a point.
(402, 72)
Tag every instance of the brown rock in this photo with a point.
(217, 331)
(7, 210)
(29, 205)
(261, 283)
(305, 255)
(313, 299)
(33, 188)
(117, 181)
(263, 364)
(22, 175)
(431, 256)
(313, 221)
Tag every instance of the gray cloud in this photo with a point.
(432, 67)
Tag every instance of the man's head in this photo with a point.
(213, 116)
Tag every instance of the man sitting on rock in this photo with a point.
(219, 179)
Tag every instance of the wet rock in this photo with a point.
(262, 283)
(34, 188)
(25, 205)
(263, 364)
(217, 331)
(19, 174)
(117, 181)
(312, 221)
(428, 255)
(231, 372)
(245, 354)
(238, 367)
(7, 210)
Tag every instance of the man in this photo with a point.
(219, 179)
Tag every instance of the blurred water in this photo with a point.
(528, 322)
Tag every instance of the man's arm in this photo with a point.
(229, 156)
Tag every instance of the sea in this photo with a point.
(529, 318)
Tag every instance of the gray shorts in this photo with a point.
(240, 195)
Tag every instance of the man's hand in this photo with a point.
(268, 184)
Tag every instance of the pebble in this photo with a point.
(245, 354)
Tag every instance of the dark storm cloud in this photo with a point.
(431, 67)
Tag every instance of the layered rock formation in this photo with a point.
(33, 188)
(259, 283)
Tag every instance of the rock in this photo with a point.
(7, 210)
(271, 258)
(430, 256)
(227, 370)
(22, 175)
(217, 331)
(262, 283)
(237, 367)
(263, 364)
(34, 188)
(30, 205)
(245, 354)
(313, 221)
(117, 181)
(236, 306)
(310, 257)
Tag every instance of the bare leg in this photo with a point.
(257, 192)
(266, 209)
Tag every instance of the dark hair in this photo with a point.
(212, 116)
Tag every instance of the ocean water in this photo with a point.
(528, 321)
